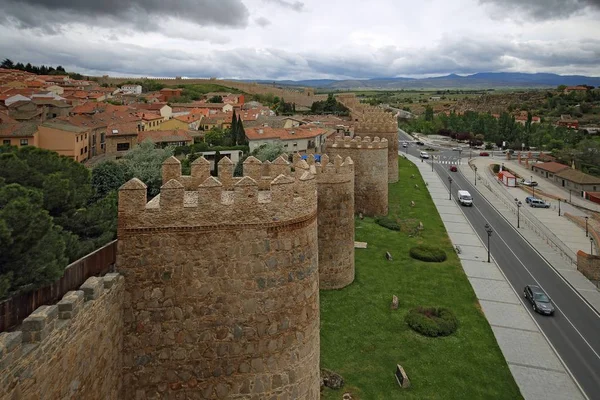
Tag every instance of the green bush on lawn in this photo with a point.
(496, 168)
(432, 321)
(428, 253)
(388, 223)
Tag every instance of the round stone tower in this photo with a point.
(335, 215)
(222, 293)
(370, 159)
(384, 126)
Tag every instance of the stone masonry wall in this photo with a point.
(370, 159)
(71, 350)
(335, 215)
(222, 296)
(589, 265)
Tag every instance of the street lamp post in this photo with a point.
(519, 204)
(586, 226)
(591, 246)
(475, 168)
(489, 231)
(569, 195)
(459, 156)
(532, 187)
(432, 158)
(559, 207)
(450, 190)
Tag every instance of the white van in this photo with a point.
(465, 198)
(424, 154)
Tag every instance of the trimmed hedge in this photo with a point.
(428, 253)
(388, 223)
(432, 321)
(496, 168)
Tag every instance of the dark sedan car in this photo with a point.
(453, 168)
(539, 300)
(420, 143)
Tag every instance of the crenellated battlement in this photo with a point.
(338, 170)
(266, 194)
(357, 142)
(49, 342)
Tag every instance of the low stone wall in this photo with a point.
(71, 350)
(589, 266)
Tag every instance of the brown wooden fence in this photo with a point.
(15, 309)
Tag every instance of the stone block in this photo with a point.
(39, 324)
(70, 304)
(110, 279)
(92, 288)
(9, 341)
(394, 304)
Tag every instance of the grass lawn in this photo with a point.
(363, 340)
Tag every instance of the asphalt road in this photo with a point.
(574, 330)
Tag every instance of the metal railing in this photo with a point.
(529, 219)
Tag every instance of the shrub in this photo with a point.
(428, 253)
(432, 321)
(388, 223)
(496, 168)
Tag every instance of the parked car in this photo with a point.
(538, 203)
(528, 182)
(424, 154)
(457, 149)
(420, 143)
(453, 168)
(529, 198)
(404, 144)
(539, 300)
(484, 154)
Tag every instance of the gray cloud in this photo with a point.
(51, 16)
(262, 21)
(540, 9)
(293, 5)
(461, 55)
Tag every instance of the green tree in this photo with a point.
(7, 63)
(144, 162)
(215, 137)
(33, 249)
(241, 136)
(234, 128)
(109, 176)
(215, 99)
(428, 113)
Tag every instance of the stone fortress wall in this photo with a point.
(373, 121)
(70, 350)
(370, 159)
(335, 193)
(302, 97)
(221, 289)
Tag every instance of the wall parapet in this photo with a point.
(358, 142)
(267, 194)
(23, 353)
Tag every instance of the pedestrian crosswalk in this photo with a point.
(447, 161)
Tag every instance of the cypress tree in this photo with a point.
(241, 132)
(234, 128)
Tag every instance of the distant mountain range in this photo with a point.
(484, 80)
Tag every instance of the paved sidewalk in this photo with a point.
(536, 368)
(556, 238)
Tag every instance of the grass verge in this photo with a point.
(363, 340)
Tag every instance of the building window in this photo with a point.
(6, 141)
(122, 146)
(85, 149)
(24, 142)
(77, 138)
(80, 151)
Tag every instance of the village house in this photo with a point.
(133, 89)
(167, 138)
(566, 121)
(167, 94)
(65, 139)
(16, 133)
(576, 89)
(120, 138)
(568, 178)
(162, 109)
(273, 122)
(26, 110)
(302, 139)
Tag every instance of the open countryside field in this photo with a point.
(363, 339)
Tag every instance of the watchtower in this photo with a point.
(335, 215)
(221, 288)
(370, 159)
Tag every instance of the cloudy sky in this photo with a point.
(303, 39)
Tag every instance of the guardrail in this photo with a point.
(529, 219)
